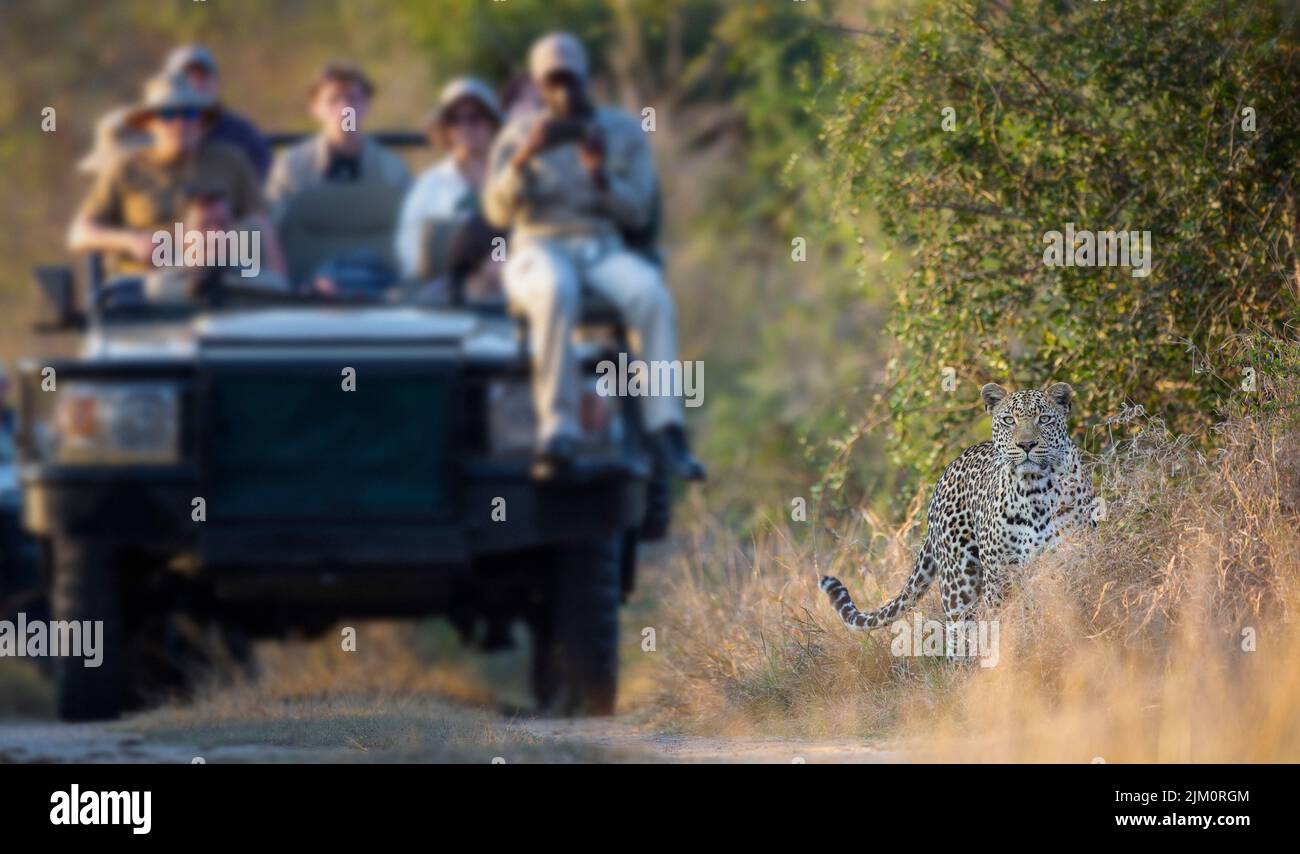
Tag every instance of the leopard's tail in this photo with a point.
(917, 583)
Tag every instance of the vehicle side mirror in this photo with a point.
(59, 287)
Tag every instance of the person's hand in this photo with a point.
(535, 141)
(591, 154)
(324, 286)
(140, 247)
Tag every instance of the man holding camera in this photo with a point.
(570, 182)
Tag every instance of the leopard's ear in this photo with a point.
(1061, 394)
(992, 395)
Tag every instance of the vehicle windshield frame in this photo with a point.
(149, 311)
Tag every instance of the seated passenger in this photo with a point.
(569, 182)
(335, 196)
(207, 211)
(143, 191)
(197, 65)
(441, 235)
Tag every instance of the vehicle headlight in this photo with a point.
(115, 424)
(600, 421)
(513, 424)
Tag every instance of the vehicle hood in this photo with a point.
(381, 325)
(454, 330)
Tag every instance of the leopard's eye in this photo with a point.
(1009, 420)
(1044, 419)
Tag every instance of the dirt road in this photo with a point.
(391, 701)
(458, 735)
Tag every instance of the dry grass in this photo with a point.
(1127, 644)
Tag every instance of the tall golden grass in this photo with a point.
(1167, 635)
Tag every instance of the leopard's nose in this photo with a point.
(1027, 446)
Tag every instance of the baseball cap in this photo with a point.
(557, 52)
(190, 54)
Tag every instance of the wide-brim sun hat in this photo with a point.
(113, 136)
(169, 92)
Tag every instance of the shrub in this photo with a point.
(1109, 118)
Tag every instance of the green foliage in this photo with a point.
(682, 48)
(1108, 116)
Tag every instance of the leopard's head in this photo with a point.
(1029, 426)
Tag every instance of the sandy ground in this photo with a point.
(53, 742)
(390, 702)
(625, 735)
(150, 740)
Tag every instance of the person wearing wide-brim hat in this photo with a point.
(462, 125)
(198, 66)
(463, 93)
(143, 192)
(171, 95)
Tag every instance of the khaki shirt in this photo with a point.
(553, 196)
(302, 167)
(138, 192)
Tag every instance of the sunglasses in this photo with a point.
(468, 117)
(171, 114)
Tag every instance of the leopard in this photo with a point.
(996, 506)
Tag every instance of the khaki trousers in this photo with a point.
(544, 279)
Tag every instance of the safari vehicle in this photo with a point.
(201, 470)
(17, 558)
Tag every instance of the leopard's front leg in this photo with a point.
(961, 596)
(994, 587)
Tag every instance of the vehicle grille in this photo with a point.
(294, 445)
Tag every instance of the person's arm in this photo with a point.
(618, 160)
(250, 207)
(509, 180)
(627, 180)
(275, 260)
(410, 227)
(95, 227)
(279, 186)
(86, 235)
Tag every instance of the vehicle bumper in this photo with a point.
(502, 511)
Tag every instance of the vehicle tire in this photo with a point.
(86, 587)
(575, 649)
(658, 507)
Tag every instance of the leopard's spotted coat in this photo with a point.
(996, 506)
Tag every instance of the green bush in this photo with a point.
(1110, 116)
